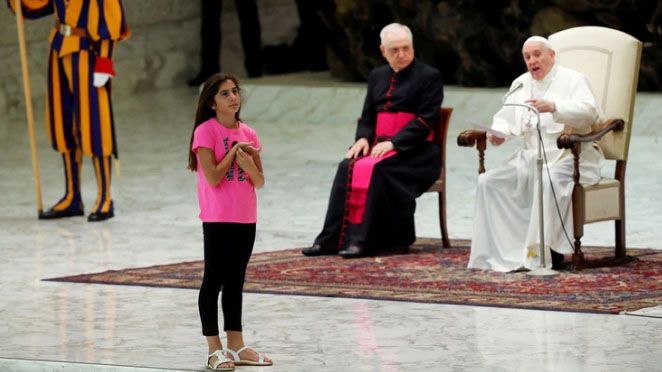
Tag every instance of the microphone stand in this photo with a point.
(542, 270)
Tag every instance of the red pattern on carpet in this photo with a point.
(428, 273)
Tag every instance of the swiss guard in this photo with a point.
(79, 116)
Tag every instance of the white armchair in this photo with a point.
(610, 59)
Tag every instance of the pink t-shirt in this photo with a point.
(233, 199)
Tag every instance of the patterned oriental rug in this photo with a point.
(428, 273)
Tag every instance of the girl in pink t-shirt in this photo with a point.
(225, 152)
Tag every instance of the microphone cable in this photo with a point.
(551, 185)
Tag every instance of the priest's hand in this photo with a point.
(381, 149)
(542, 105)
(360, 147)
(495, 140)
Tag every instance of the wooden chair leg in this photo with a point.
(442, 220)
(620, 238)
(578, 256)
(578, 213)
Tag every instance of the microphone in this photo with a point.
(518, 86)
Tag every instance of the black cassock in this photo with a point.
(387, 221)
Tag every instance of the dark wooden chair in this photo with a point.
(441, 131)
(610, 60)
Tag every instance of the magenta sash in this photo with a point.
(388, 124)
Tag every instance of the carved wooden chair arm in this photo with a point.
(568, 141)
(469, 137)
(574, 141)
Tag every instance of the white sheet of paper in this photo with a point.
(488, 129)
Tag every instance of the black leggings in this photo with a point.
(228, 247)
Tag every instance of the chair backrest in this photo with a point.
(441, 133)
(610, 60)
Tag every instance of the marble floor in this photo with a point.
(305, 124)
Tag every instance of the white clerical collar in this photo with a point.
(540, 87)
(548, 78)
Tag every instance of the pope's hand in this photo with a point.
(495, 140)
(542, 105)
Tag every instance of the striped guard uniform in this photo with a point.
(79, 117)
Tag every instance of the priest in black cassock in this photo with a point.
(393, 161)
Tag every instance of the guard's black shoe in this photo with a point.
(317, 250)
(101, 216)
(353, 251)
(72, 211)
(199, 79)
(254, 73)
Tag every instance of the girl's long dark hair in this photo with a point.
(204, 111)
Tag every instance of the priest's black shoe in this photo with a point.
(317, 250)
(353, 251)
(101, 216)
(401, 249)
(53, 213)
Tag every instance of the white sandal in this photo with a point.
(220, 359)
(245, 362)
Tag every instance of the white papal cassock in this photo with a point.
(506, 228)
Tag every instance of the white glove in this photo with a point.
(100, 79)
